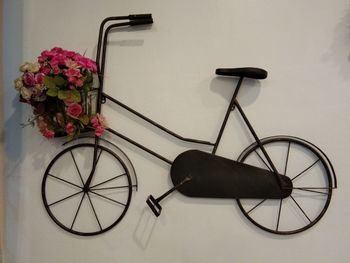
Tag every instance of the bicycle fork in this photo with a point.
(94, 163)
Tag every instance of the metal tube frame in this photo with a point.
(102, 96)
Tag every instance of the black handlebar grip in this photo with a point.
(141, 22)
(140, 16)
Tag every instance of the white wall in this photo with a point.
(167, 72)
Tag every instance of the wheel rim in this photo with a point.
(86, 211)
(312, 186)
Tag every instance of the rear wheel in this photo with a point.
(312, 185)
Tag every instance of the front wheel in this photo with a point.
(311, 176)
(81, 209)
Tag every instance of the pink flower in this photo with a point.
(45, 70)
(72, 80)
(44, 56)
(72, 72)
(98, 120)
(99, 131)
(58, 60)
(39, 78)
(91, 65)
(86, 63)
(41, 59)
(48, 133)
(78, 57)
(74, 110)
(29, 79)
(79, 83)
(48, 54)
(70, 128)
(57, 50)
(72, 64)
(99, 124)
(68, 53)
(56, 70)
(94, 121)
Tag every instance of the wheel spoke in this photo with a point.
(287, 158)
(65, 198)
(305, 170)
(107, 198)
(300, 209)
(111, 179)
(65, 181)
(279, 215)
(93, 209)
(311, 189)
(75, 163)
(256, 206)
(76, 214)
(108, 188)
(263, 161)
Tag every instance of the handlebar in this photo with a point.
(141, 22)
(140, 19)
(140, 16)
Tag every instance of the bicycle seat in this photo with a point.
(253, 73)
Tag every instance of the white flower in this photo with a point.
(26, 93)
(34, 67)
(30, 67)
(24, 67)
(18, 83)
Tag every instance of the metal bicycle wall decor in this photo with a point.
(282, 184)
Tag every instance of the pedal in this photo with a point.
(154, 205)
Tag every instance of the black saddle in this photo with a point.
(253, 73)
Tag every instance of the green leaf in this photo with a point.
(59, 81)
(52, 92)
(87, 87)
(70, 137)
(89, 78)
(49, 82)
(76, 95)
(61, 95)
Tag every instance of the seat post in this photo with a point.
(230, 108)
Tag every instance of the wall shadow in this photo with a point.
(123, 42)
(225, 86)
(339, 52)
(12, 57)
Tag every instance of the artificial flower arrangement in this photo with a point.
(58, 87)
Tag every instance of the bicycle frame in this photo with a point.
(194, 173)
(102, 97)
